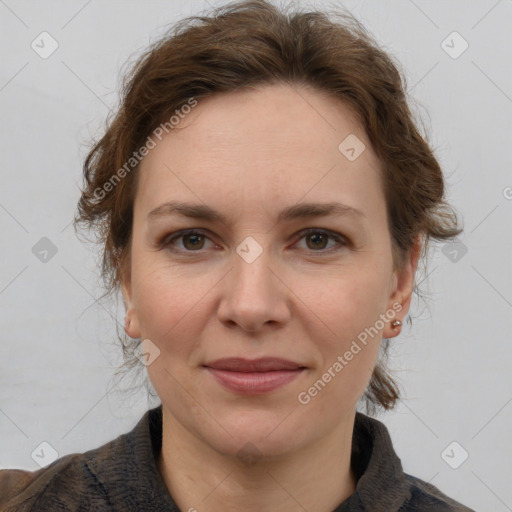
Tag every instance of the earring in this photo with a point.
(396, 323)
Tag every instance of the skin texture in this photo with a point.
(248, 155)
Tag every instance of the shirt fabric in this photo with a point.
(123, 476)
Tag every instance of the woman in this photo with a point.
(263, 197)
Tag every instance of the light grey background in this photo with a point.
(58, 343)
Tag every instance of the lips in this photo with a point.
(253, 377)
(264, 364)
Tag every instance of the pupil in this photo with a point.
(316, 237)
(196, 237)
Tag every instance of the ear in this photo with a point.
(403, 285)
(131, 322)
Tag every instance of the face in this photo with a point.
(256, 284)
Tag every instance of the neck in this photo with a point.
(199, 478)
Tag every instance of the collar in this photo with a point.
(381, 483)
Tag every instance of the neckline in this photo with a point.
(128, 469)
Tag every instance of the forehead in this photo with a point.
(275, 143)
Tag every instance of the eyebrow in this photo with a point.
(301, 210)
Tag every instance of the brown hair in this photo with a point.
(249, 43)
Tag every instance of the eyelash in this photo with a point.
(167, 242)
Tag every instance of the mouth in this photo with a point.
(253, 377)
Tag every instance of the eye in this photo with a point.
(320, 237)
(193, 240)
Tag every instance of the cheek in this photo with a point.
(169, 303)
(348, 352)
(347, 300)
(350, 309)
(171, 311)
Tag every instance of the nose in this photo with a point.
(254, 294)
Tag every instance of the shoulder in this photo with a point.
(382, 483)
(65, 485)
(119, 475)
(425, 496)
